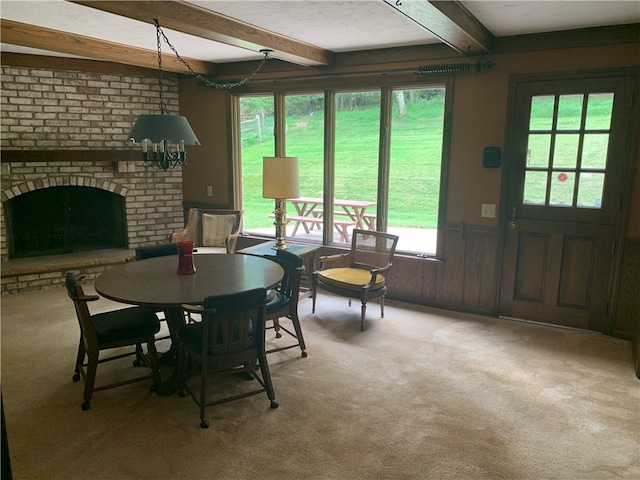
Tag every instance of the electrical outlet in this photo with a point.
(209, 191)
(488, 210)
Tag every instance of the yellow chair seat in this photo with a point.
(349, 278)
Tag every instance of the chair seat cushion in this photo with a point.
(127, 323)
(349, 278)
(277, 302)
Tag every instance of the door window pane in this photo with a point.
(416, 158)
(535, 188)
(562, 187)
(594, 150)
(569, 112)
(590, 190)
(565, 152)
(538, 150)
(599, 108)
(541, 113)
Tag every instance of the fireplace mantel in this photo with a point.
(27, 156)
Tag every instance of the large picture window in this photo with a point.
(377, 154)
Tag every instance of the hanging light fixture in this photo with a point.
(163, 136)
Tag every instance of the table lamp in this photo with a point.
(280, 181)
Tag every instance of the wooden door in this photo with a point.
(567, 187)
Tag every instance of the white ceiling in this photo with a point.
(336, 26)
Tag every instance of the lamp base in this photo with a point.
(280, 214)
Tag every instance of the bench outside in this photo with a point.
(341, 226)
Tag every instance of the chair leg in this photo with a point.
(182, 365)
(79, 360)
(153, 358)
(266, 378)
(382, 306)
(203, 392)
(90, 380)
(363, 311)
(276, 327)
(296, 325)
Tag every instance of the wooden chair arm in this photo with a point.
(88, 298)
(374, 275)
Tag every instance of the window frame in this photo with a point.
(330, 87)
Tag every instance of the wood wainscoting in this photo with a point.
(465, 279)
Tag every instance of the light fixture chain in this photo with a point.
(202, 79)
(159, 44)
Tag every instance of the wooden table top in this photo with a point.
(154, 281)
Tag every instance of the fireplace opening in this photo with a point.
(66, 219)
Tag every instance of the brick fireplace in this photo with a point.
(69, 129)
(152, 199)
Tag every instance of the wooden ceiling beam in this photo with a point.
(201, 22)
(450, 21)
(17, 33)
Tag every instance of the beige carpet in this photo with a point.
(421, 394)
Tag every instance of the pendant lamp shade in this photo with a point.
(173, 129)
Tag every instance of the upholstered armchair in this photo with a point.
(360, 273)
(211, 230)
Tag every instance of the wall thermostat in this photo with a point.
(491, 157)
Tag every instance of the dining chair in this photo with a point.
(130, 326)
(229, 340)
(361, 273)
(284, 301)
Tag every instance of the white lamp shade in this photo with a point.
(280, 177)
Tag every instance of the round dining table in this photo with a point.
(155, 283)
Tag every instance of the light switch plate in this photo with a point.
(209, 191)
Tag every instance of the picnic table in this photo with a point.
(309, 213)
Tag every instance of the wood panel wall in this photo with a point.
(466, 279)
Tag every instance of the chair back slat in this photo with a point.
(372, 249)
(233, 323)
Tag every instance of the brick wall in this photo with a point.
(66, 110)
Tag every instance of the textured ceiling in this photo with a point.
(334, 26)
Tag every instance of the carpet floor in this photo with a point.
(420, 394)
